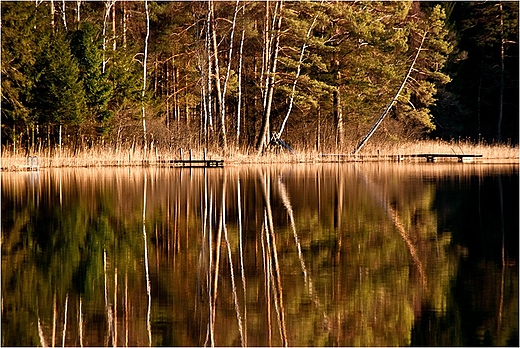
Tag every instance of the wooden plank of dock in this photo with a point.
(193, 163)
(199, 163)
(432, 157)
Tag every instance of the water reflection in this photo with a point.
(322, 255)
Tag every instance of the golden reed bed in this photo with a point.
(109, 157)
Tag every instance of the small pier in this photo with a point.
(191, 162)
(432, 157)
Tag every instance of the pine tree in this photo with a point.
(98, 90)
(58, 98)
(20, 49)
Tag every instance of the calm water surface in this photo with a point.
(298, 255)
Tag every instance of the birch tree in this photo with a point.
(271, 49)
(143, 91)
(216, 71)
(240, 64)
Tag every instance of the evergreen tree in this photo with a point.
(86, 48)
(20, 48)
(419, 95)
(58, 97)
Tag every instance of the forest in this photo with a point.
(243, 75)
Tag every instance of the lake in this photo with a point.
(354, 254)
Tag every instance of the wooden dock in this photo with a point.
(430, 157)
(193, 163)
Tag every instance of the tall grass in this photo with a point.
(134, 156)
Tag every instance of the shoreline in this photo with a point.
(108, 159)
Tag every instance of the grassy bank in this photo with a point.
(106, 156)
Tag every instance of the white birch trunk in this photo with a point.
(239, 102)
(52, 14)
(226, 79)
(114, 26)
(63, 14)
(502, 71)
(78, 13)
(143, 92)
(220, 97)
(272, 63)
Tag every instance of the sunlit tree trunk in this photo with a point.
(125, 15)
(226, 79)
(502, 71)
(63, 14)
(143, 91)
(208, 126)
(263, 138)
(239, 102)
(108, 5)
(78, 13)
(220, 98)
(52, 13)
(114, 45)
(337, 108)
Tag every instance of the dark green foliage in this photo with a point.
(58, 97)
(19, 52)
(86, 47)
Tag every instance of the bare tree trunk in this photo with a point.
(502, 70)
(239, 102)
(318, 130)
(226, 79)
(209, 114)
(63, 15)
(143, 92)
(338, 117)
(220, 98)
(52, 14)
(265, 54)
(124, 23)
(108, 4)
(78, 13)
(272, 62)
(114, 26)
(59, 137)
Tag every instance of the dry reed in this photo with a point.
(133, 156)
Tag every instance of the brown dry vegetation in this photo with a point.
(100, 157)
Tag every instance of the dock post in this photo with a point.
(180, 153)
(205, 153)
(191, 155)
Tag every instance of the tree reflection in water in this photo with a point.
(351, 255)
